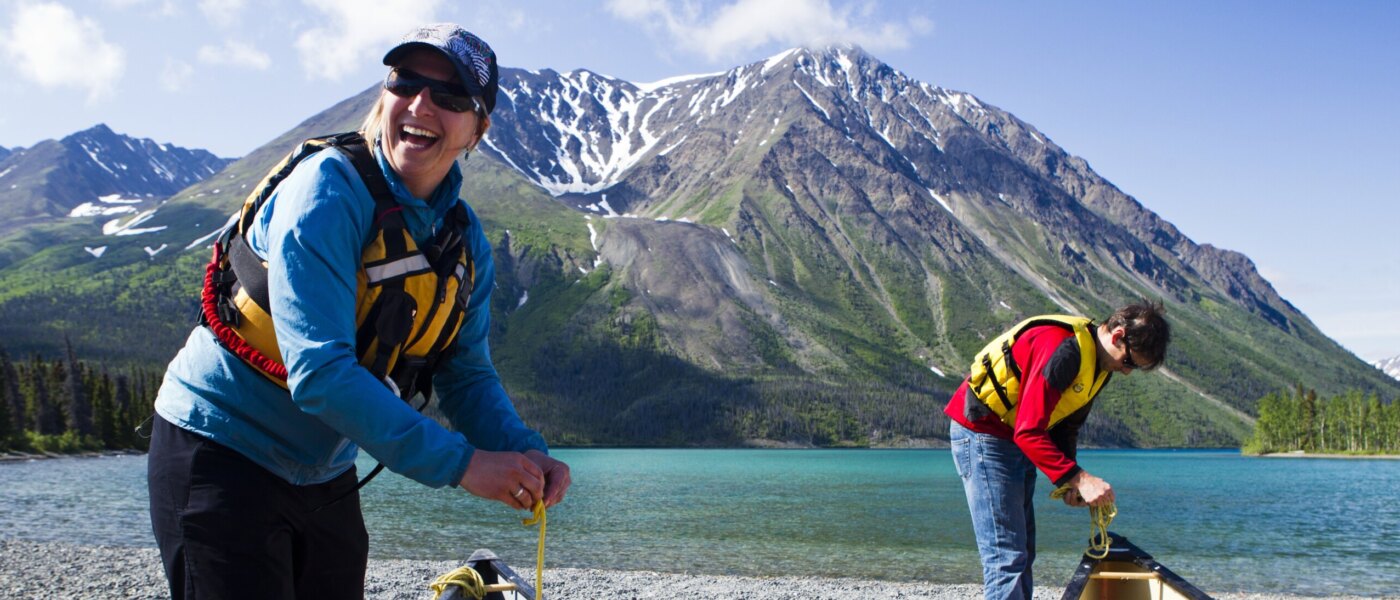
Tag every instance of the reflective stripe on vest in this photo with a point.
(403, 267)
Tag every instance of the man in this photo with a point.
(1029, 392)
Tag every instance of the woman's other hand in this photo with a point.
(507, 477)
(556, 476)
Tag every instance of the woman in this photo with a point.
(251, 469)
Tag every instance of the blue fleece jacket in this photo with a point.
(314, 228)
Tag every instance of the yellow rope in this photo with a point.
(471, 582)
(463, 577)
(539, 517)
(1099, 519)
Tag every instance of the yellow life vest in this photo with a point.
(996, 378)
(410, 302)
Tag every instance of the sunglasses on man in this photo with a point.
(1128, 359)
(407, 84)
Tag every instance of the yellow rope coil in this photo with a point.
(1099, 519)
(463, 577)
(473, 586)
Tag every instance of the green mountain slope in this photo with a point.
(806, 250)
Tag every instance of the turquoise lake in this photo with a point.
(1223, 521)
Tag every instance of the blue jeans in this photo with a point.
(1000, 484)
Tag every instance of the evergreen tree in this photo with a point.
(104, 415)
(1307, 427)
(7, 420)
(47, 419)
(79, 405)
(9, 394)
(121, 400)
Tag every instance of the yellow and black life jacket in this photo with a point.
(410, 301)
(996, 378)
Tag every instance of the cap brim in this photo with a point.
(467, 78)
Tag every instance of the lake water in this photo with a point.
(1224, 522)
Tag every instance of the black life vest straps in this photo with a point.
(996, 384)
(243, 260)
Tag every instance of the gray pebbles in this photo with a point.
(52, 570)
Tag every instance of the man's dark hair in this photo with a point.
(1145, 331)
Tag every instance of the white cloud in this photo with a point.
(235, 54)
(176, 75)
(513, 20)
(223, 13)
(164, 8)
(357, 33)
(51, 45)
(733, 29)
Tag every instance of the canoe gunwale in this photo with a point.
(493, 570)
(1123, 551)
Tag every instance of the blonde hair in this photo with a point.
(376, 120)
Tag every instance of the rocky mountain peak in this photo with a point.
(1390, 366)
(76, 175)
(139, 166)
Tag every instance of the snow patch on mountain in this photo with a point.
(647, 88)
(103, 208)
(1389, 366)
(590, 153)
(116, 227)
(812, 100)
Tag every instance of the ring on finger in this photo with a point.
(518, 492)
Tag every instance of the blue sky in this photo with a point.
(1271, 128)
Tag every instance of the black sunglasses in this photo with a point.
(407, 84)
(1128, 356)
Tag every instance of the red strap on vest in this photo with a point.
(225, 334)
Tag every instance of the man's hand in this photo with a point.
(507, 477)
(556, 476)
(1072, 498)
(1088, 489)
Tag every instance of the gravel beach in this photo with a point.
(51, 570)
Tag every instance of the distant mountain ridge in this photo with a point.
(54, 177)
(805, 249)
(1390, 366)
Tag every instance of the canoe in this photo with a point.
(502, 583)
(1128, 573)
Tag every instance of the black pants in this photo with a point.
(227, 528)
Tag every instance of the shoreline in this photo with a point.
(12, 455)
(55, 570)
(1300, 454)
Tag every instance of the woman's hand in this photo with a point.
(507, 477)
(556, 476)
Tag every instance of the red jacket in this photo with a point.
(1049, 356)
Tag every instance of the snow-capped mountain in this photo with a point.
(95, 172)
(1390, 366)
(611, 146)
(809, 233)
